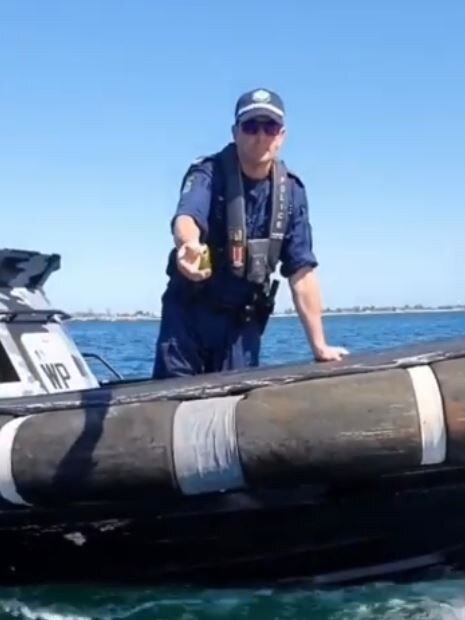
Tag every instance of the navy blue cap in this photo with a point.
(260, 102)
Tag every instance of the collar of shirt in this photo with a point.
(256, 188)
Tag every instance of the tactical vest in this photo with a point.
(253, 259)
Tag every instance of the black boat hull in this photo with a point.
(346, 472)
(336, 535)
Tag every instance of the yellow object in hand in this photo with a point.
(205, 260)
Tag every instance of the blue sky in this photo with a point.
(103, 104)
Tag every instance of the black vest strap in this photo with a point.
(279, 214)
(235, 210)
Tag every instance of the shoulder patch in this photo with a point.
(187, 182)
(188, 178)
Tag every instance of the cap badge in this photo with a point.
(261, 96)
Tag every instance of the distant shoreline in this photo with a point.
(278, 315)
(368, 312)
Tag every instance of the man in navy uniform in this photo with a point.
(240, 212)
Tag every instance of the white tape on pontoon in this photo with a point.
(205, 452)
(431, 414)
(8, 488)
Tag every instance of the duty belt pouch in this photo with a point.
(257, 260)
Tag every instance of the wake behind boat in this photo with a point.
(337, 472)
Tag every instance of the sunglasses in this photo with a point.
(252, 127)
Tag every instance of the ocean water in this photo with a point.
(129, 346)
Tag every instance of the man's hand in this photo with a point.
(188, 258)
(329, 354)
